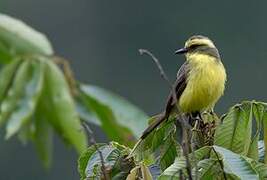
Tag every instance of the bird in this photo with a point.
(199, 84)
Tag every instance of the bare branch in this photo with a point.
(162, 73)
(93, 142)
(185, 141)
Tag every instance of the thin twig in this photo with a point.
(93, 142)
(68, 73)
(185, 145)
(220, 162)
(162, 73)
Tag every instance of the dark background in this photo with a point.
(101, 39)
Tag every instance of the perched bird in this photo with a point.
(200, 81)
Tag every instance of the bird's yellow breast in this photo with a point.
(205, 83)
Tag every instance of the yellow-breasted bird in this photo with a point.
(200, 81)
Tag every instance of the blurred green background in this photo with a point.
(101, 39)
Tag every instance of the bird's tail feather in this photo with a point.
(159, 119)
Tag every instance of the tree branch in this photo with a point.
(93, 142)
(185, 141)
(162, 73)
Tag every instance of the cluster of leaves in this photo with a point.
(237, 151)
(37, 99)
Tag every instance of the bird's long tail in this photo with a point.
(160, 118)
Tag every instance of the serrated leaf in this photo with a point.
(235, 131)
(84, 158)
(144, 148)
(32, 72)
(17, 38)
(258, 112)
(117, 166)
(236, 164)
(58, 107)
(125, 113)
(168, 153)
(179, 165)
(209, 169)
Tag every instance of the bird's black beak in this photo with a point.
(181, 51)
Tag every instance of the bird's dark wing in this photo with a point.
(179, 85)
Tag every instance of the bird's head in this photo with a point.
(199, 44)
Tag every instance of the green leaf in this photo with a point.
(236, 164)
(260, 168)
(169, 152)
(261, 150)
(32, 72)
(209, 169)
(85, 114)
(16, 38)
(173, 171)
(264, 119)
(114, 155)
(43, 138)
(57, 107)
(84, 158)
(109, 123)
(144, 148)
(258, 111)
(7, 76)
(235, 131)
(179, 164)
(125, 113)
(12, 88)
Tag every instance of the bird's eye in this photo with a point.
(194, 46)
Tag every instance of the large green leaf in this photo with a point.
(235, 131)
(43, 138)
(236, 164)
(24, 108)
(84, 158)
(57, 107)
(116, 165)
(144, 148)
(125, 113)
(109, 123)
(169, 151)
(16, 38)
(209, 169)
(179, 164)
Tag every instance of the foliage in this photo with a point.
(38, 98)
(235, 153)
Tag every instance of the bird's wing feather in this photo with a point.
(179, 85)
